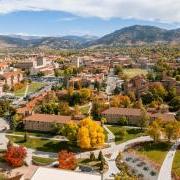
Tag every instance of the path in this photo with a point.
(26, 91)
(111, 137)
(165, 171)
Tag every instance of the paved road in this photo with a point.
(165, 171)
(3, 139)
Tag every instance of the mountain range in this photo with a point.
(133, 35)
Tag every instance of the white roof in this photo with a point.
(56, 174)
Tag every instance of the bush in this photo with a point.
(15, 156)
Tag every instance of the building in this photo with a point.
(42, 173)
(11, 78)
(44, 122)
(133, 115)
(138, 85)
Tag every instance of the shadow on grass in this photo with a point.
(150, 146)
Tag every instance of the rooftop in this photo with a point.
(56, 174)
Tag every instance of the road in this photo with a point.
(3, 139)
(166, 168)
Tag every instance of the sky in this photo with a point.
(84, 17)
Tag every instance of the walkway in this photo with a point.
(165, 171)
(111, 137)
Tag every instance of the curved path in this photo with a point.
(166, 168)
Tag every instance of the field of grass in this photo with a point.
(131, 133)
(44, 144)
(43, 161)
(176, 163)
(134, 72)
(37, 134)
(33, 87)
(156, 152)
(84, 110)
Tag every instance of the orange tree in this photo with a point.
(15, 156)
(67, 160)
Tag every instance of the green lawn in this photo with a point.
(44, 144)
(154, 151)
(37, 134)
(84, 110)
(33, 87)
(134, 72)
(176, 163)
(131, 133)
(43, 161)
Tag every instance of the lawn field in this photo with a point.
(134, 72)
(33, 87)
(155, 152)
(43, 161)
(44, 144)
(176, 163)
(131, 133)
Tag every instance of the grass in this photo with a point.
(43, 161)
(36, 134)
(33, 87)
(176, 163)
(84, 110)
(44, 144)
(2, 177)
(155, 152)
(131, 133)
(134, 72)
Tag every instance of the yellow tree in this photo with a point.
(90, 134)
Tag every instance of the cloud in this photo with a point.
(67, 19)
(159, 10)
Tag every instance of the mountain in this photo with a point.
(65, 42)
(133, 35)
(136, 35)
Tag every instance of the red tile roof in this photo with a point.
(49, 118)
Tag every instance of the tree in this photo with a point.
(76, 110)
(103, 120)
(123, 121)
(144, 119)
(90, 134)
(172, 130)
(158, 90)
(26, 137)
(70, 131)
(100, 156)
(154, 130)
(120, 101)
(64, 108)
(15, 156)
(122, 133)
(85, 94)
(175, 103)
(67, 160)
(92, 156)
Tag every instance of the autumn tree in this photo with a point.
(15, 156)
(120, 101)
(70, 131)
(154, 130)
(67, 160)
(90, 134)
(172, 130)
(144, 119)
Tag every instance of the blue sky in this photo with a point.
(35, 18)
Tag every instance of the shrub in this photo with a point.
(67, 160)
(15, 156)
